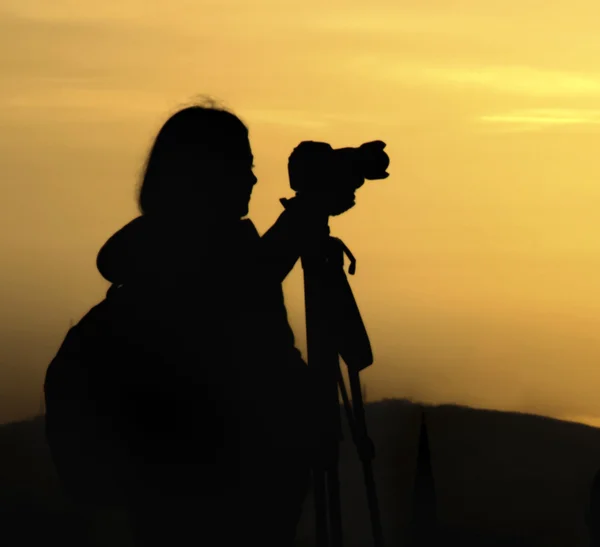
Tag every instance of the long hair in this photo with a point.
(188, 149)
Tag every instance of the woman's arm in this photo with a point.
(303, 223)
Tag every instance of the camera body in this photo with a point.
(316, 166)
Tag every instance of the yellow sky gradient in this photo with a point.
(477, 258)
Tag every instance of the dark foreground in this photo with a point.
(501, 479)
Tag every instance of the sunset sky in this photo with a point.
(478, 259)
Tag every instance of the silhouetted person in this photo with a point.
(198, 410)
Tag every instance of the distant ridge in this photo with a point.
(501, 478)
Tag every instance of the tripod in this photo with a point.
(335, 328)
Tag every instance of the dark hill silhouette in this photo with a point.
(501, 479)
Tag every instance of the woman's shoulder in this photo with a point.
(248, 227)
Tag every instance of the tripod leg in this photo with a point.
(373, 504)
(323, 362)
(321, 513)
(367, 453)
(335, 509)
(329, 461)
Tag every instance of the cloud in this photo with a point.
(520, 80)
(208, 18)
(295, 118)
(541, 118)
(71, 10)
(73, 98)
(315, 119)
(395, 19)
(513, 80)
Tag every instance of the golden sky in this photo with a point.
(477, 258)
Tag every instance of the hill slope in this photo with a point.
(500, 478)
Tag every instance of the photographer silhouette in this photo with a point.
(194, 396)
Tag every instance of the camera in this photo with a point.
(317, 166)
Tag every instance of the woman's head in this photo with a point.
(201, 161)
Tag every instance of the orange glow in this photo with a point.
(478, 258)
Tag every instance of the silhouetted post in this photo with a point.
(424, 518)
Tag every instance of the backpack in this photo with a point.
(83, 392)
(115, 415)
